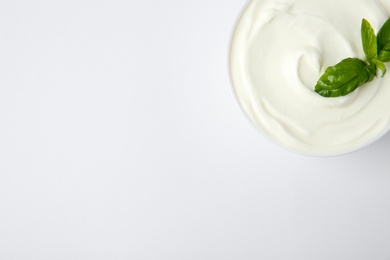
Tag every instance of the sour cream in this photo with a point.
(279, 50)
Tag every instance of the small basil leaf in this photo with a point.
(380, 65)
(384, 54)
(369, 40)
(345, 77)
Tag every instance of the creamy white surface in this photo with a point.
(279, 50)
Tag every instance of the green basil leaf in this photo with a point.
(383, 42)
(369, 40)
(384, 54)
(345, 77)
(380, 65)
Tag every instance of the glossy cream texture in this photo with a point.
(279, 50)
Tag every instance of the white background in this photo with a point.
(120, 138)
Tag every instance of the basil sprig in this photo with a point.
(351, 73)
